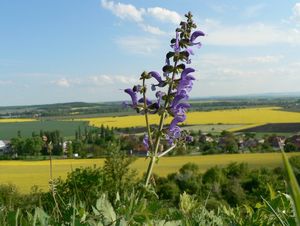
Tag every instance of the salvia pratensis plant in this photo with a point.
(171, 89)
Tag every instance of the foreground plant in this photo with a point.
(171, 92)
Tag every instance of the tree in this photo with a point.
(117, 172)
(33, 146)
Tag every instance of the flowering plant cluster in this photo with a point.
(171, 91)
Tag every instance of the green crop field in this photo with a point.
(9, 130)
(25, 174)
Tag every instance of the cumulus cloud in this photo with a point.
(296, 12)
(266, 59)
(101, 80)
(164, 15)
(131, 12)
(256, 34)
(63, 82)
(152, 29)
(230, 74)
(124, 11)
(139, 45)
(104, 80)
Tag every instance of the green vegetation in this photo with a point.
(26, 129)
(233, 195)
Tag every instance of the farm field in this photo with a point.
(16, 120)
(246, 116)
(25, 174)
(274, 128)
(9, 130)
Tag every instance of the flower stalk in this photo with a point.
(178, 81)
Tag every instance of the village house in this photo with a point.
(5, 147)
(276, 142)
(295, 140)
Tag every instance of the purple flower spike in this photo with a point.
(195, 35)
(133, 96)
(146, 141)
(148, 102)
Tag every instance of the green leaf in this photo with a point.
(106, 210)
(293, 185)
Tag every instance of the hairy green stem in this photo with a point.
(160, 127)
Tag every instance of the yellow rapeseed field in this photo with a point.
(17, 120)
(248, 116)
(25, 174)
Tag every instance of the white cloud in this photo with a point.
(230, 74)
(63, 82)
(124, 11)
(139, 45)
(266, 59)
(296, 12)
(151, 29)
(101, 80)
(164, 15)
(111, 80)
(257, 34)
(130, 12)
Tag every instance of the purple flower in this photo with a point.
(189, 139)
(133, 96)
(176, 46)
(137, 88)
(148, 102)
(156, 75)
(159, 95)
(177, 99)
(185, 73)
(146, 141)
(190, 51)
(194, 36)
(177, 119)
(186, 82)
(174, 133)
(180, 109)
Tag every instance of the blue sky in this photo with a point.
(62, 50)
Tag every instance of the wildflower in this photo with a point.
(133, 97)
(156, 75)
(194, 36)
(146, 141)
